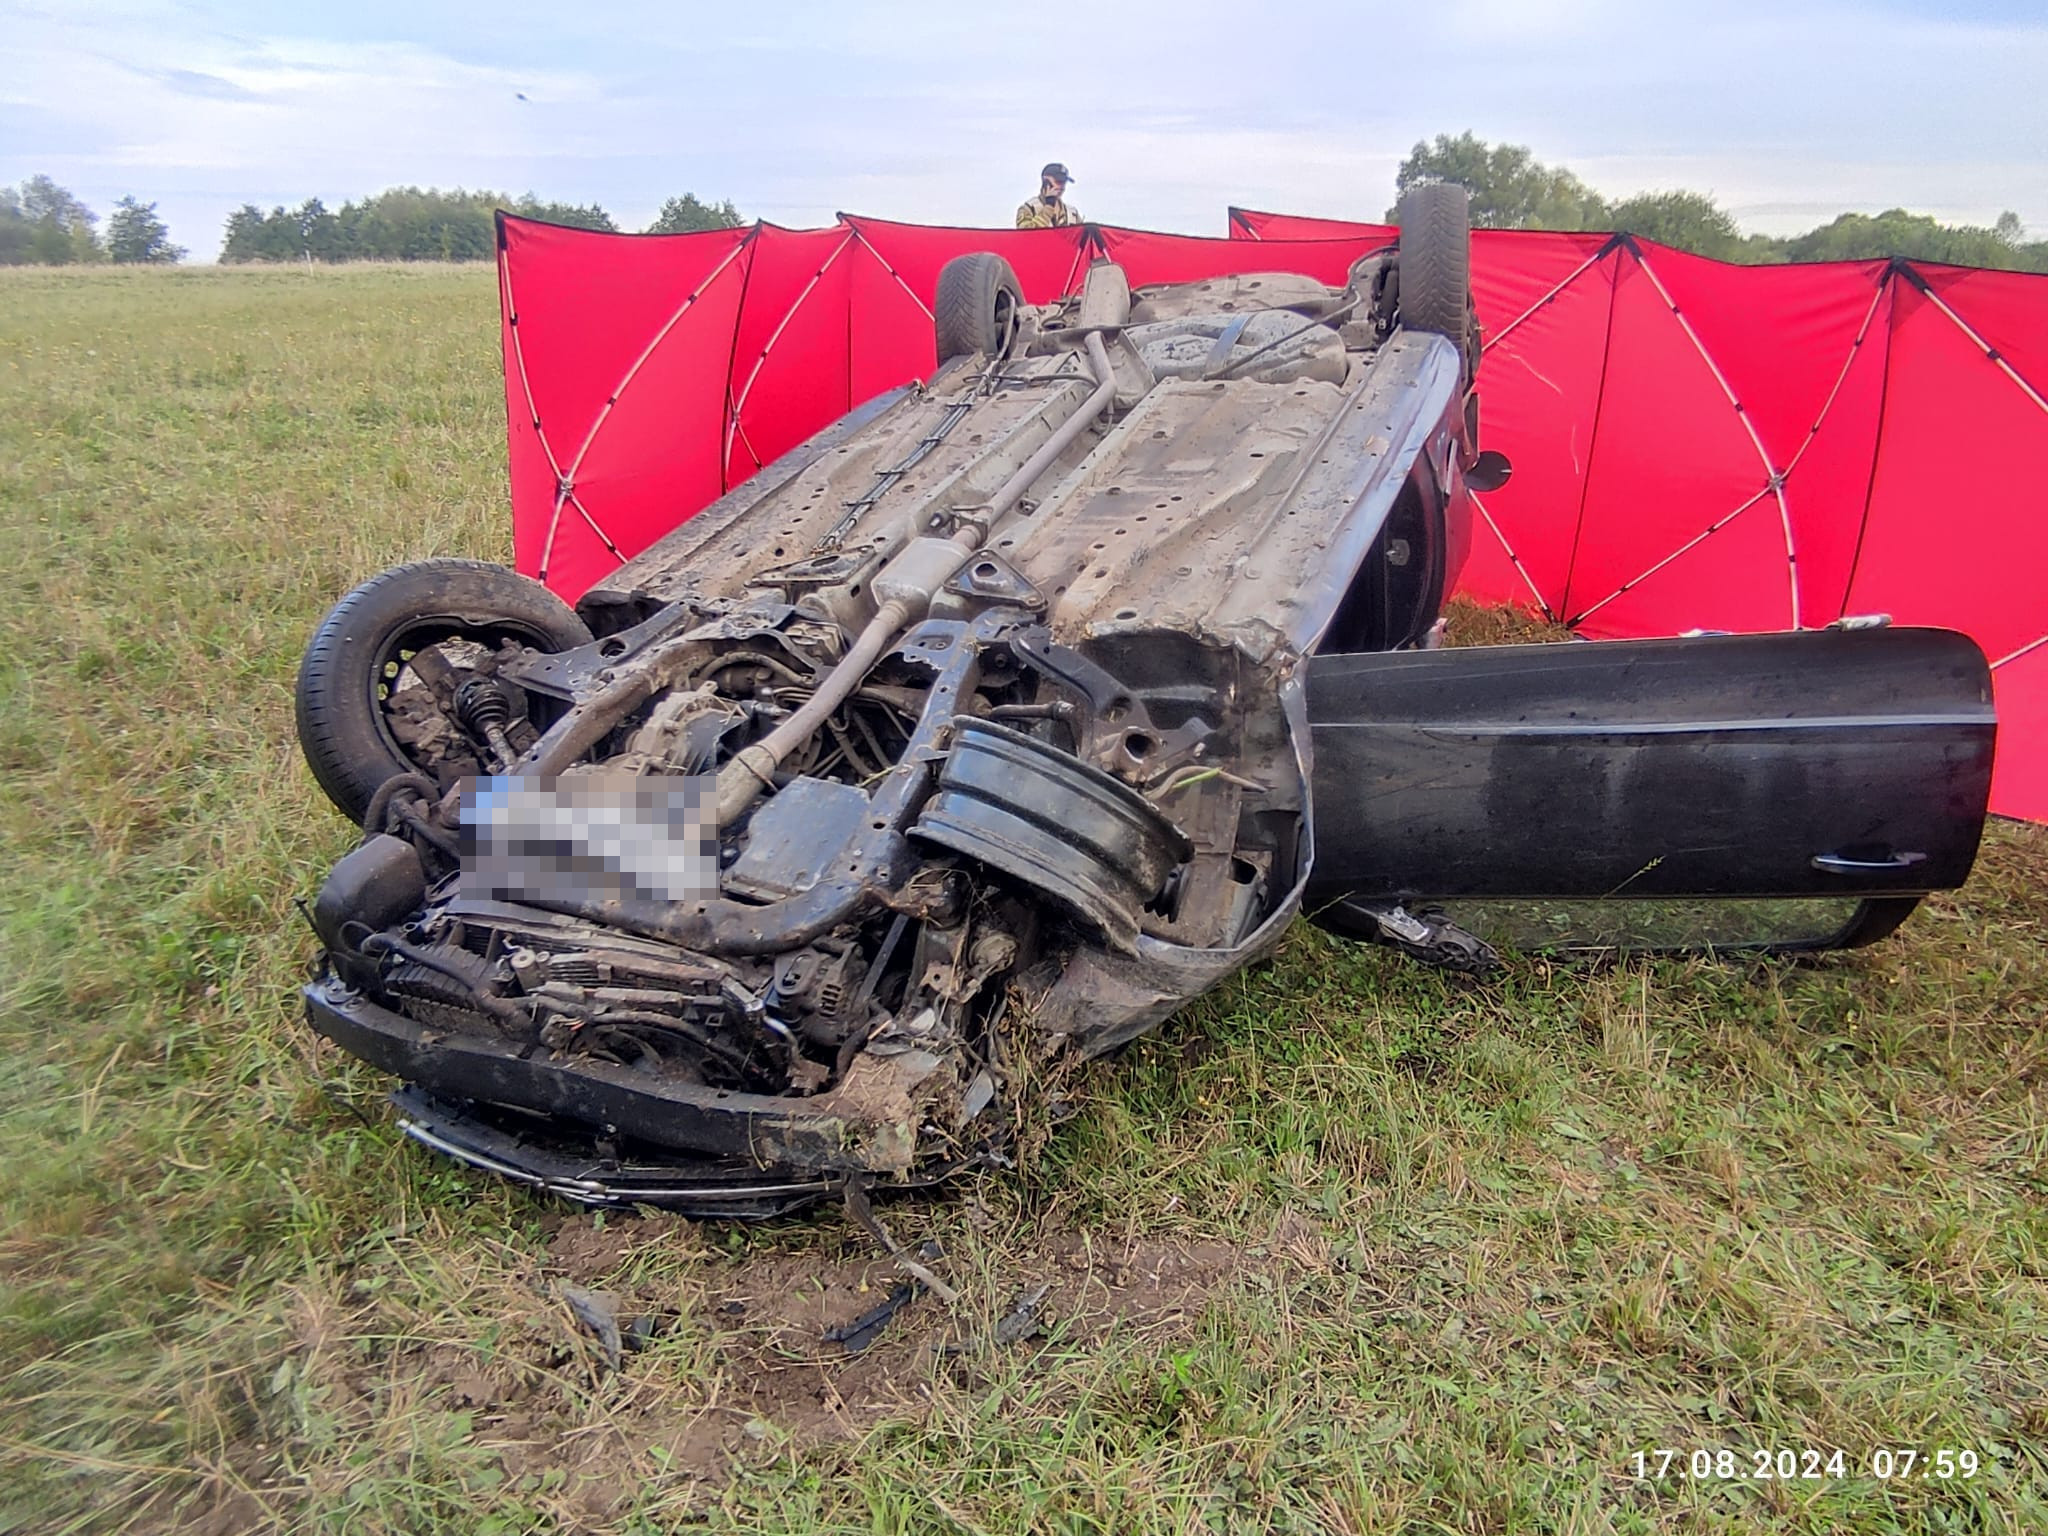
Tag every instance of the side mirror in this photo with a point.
(1489, 472)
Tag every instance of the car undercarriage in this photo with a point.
(1013, 712)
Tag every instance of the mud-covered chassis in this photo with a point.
(996, 699)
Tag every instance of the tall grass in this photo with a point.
(1350, 1246)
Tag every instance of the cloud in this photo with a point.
(1168, 109)
(1492, 23)
(191, 82)
(204, 122)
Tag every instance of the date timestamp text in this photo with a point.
(1725, 1464)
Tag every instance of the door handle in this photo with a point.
(1842, 864)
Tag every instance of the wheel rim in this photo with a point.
(394, 662)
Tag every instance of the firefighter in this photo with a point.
(1050, 208)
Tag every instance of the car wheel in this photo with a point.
(978, 306)
(373, 645)
(1436, 262)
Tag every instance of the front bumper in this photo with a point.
(553, 1159)
(797, 1139)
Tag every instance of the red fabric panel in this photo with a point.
(893, 280)
(889, 327)
(1712, 584)
(594, 318)
(1780, 335)
(1489, 574)
(527, 461)
(1783, 338)
(1671, 459)
(1945, 541)
(1048, 262)
(1626, 448)
(791, 363)
(2019, 773)
(1539, 384)
(1248, 224)
(1149, 258)
(2008, 309)
(1513, 270)
(1829, 479)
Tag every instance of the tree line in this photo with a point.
(423, 224)
(1512, 189)
(44, 224)
(41, 222)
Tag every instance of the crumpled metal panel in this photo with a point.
(1104, 999)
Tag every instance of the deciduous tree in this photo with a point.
(680, 215)
(1690, 221)
(1510, 187)
(575, 215)
(44, 224)
(1916, 236)
(136, 234)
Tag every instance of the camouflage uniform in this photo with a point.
(1032, 213)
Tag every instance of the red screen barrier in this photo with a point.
(1696, 445)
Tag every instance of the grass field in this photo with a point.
(1349, 1247)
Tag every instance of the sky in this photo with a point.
(1168, 111)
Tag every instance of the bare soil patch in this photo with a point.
(730, 1361)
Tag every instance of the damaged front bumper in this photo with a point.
(586, 1172)
(867, 1127)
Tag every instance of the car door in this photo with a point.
(1819, 764)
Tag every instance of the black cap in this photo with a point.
(1056, 169)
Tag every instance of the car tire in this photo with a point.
(977, 308)
(338, 702)
(1436, 261)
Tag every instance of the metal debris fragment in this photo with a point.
(865, 1329)
(595, 1315)
(861, 1211)
(1021, 1321)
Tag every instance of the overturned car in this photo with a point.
(1018, 709)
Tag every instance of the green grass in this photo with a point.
(1434, 1255)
